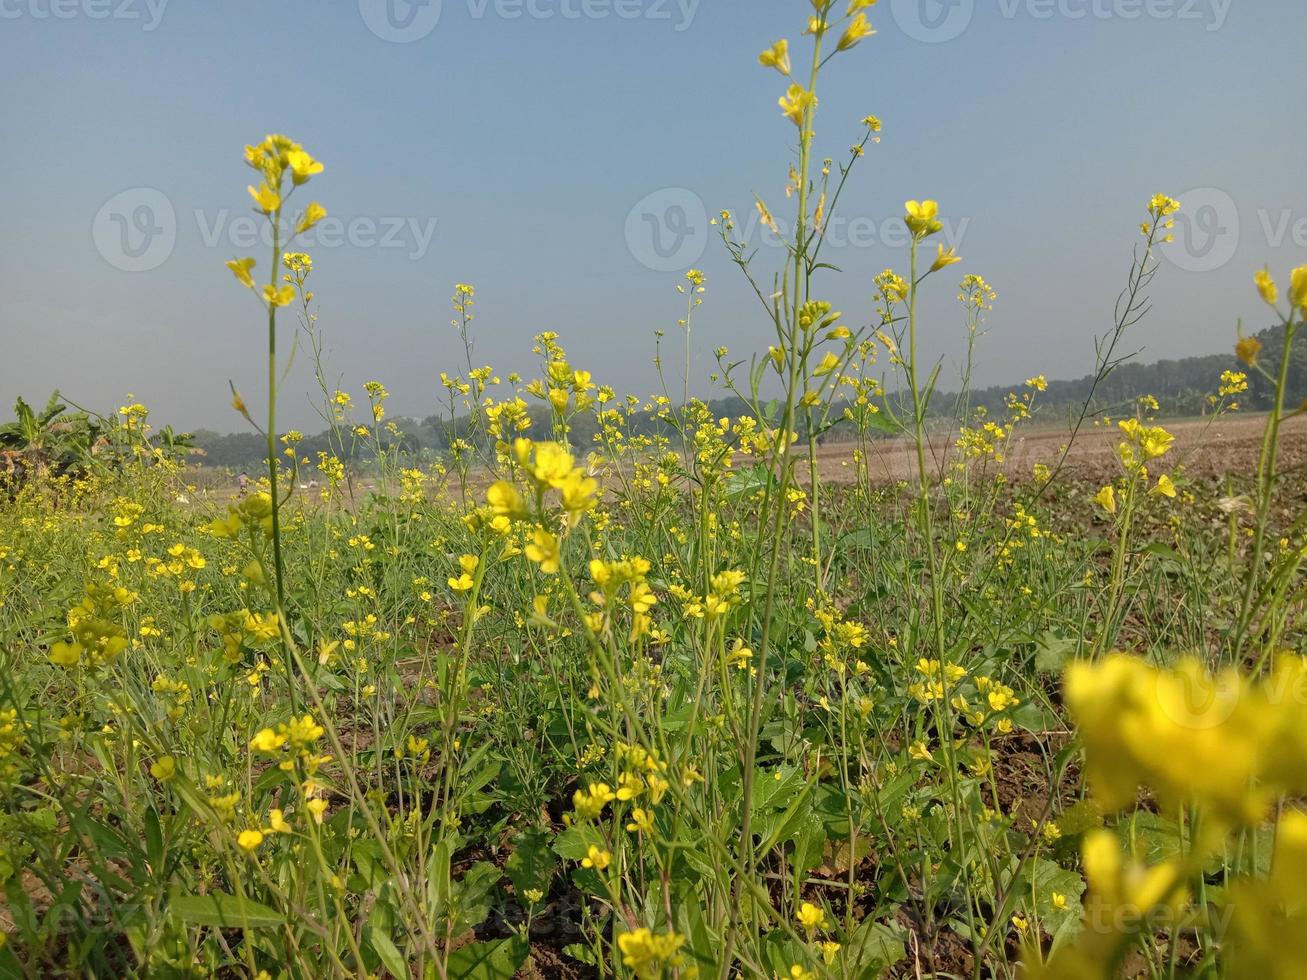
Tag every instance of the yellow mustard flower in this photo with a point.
(944, 258)
(777, 56)
(923, 218)
(249, 840)
(796, 102)
(811, 917)
(858, 29)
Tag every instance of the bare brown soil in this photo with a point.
(1205, 449)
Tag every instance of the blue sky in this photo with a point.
(508, 144)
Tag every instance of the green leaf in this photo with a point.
(1035, 718)
(387, 952)
(861, 538)
(532, 863)
(472, 896)
(884, 423)
(1052, 653)
(438, 876)
(691, 923)
(574, 843)
(774, 789)
(748, 482)
(224, 911)
(477, 798)
(581, 953)
(873, 947)
(1163, 551)
(809, 840)
(489, 961)
(153, 838)
(780, 952)
(1151, 837)
(1047, 877)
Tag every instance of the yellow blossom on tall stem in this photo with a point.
(275, 159)
(796, 103)
(923, 218)
(1163, 206)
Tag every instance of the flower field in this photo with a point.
(676, 700)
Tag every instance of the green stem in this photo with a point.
(781, 453)
(1265, 490)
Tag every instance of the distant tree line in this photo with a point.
(423, 440)
(1181, 386)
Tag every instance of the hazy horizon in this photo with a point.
(316, 425)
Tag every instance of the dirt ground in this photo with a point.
(1204, 448)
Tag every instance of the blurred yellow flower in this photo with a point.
(164, 768)
(240, 268)
(1298, 288)
(1247, 350)
(1266, 286)
(249, 840)
(1220, 741)
(278, 296)
(647, 954)
(314, 213)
